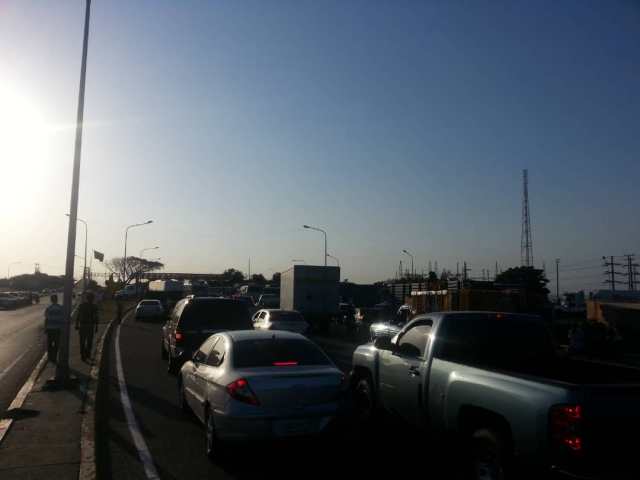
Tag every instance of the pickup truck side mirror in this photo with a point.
(383, 343)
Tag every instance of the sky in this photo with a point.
(390, 124)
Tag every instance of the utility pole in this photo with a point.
(249, 276)
(465, 271)
(62, 366)
(526, 244)
(631, 271)
(558, 281)
(457, 269)
(611, 274)
(496, 274)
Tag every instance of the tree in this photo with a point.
(258, 278)
(530, 278)
(232, 276)
(276, 278)
(135, 266)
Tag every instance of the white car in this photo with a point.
(149, 309)
(276, 319)
(247, 384)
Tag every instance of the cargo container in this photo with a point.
(312, 290)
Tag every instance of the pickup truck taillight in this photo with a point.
(179, 337)
(565, 427)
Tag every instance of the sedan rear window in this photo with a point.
(269, 352)
(216, 314)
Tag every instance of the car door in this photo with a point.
(194, 387)
(403, 375)
(209, 375)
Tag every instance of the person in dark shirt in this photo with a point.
(87, 324)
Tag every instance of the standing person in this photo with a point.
(53, 318)
(87, 324)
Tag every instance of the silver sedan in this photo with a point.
(251, 384)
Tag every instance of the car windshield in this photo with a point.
(277, 352)
(215, 314)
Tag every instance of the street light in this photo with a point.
(325, 240)
(84, 268)
(9, 268)
(62, 365)
(335, 258)
(404, 251)
(126, 233)
(147, 249)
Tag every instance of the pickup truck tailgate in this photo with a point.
(610, 430)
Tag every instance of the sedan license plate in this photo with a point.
(293, 427)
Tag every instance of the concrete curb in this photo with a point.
(88, 465)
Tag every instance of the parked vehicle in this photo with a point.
(276, 319)
(247, 385)
(149, 309)
(495, 381)
(193, 320)
(8, 301)
(128, 292)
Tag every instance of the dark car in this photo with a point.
(194, 319)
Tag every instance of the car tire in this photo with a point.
(214, 448)
(488, 455)
(364, 404)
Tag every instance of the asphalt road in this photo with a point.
(176, 443)
(22, 343)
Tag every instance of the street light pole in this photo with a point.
(126, 234)
(558, 281)
(62, 366)
(335, 258)
(404, 251)
(86, 236)
(325, 240)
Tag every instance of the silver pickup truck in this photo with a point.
(495, 383)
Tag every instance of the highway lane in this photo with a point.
(22, 343)
(176, 443)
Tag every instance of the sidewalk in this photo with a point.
(45, 437)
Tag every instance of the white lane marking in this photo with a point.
(14, 363)
(134, 429)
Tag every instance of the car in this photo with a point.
(494, 382)
(268, 300)
(277, 319)
(149, 309)
(253, 385)
(193, 320)
(8, 301)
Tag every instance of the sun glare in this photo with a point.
(23, 150)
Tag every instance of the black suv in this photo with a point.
(193, 320)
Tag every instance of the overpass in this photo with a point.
(210, 277)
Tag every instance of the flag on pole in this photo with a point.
(98, 256)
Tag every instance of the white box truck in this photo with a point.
(312, 290)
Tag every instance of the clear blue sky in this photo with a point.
(392, 124)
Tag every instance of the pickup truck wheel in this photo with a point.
(364, 403)
(488, 454)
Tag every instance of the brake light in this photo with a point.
(240, 390)
(285, 364)
(565, 422)
(179, 336)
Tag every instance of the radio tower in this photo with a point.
(526, 246)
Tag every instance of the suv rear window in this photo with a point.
(215, 314)
(267, 352)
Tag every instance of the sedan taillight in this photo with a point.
(240, 390)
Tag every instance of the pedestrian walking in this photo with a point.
(53, 318)
(87, 324)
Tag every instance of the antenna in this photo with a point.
(526, 245)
